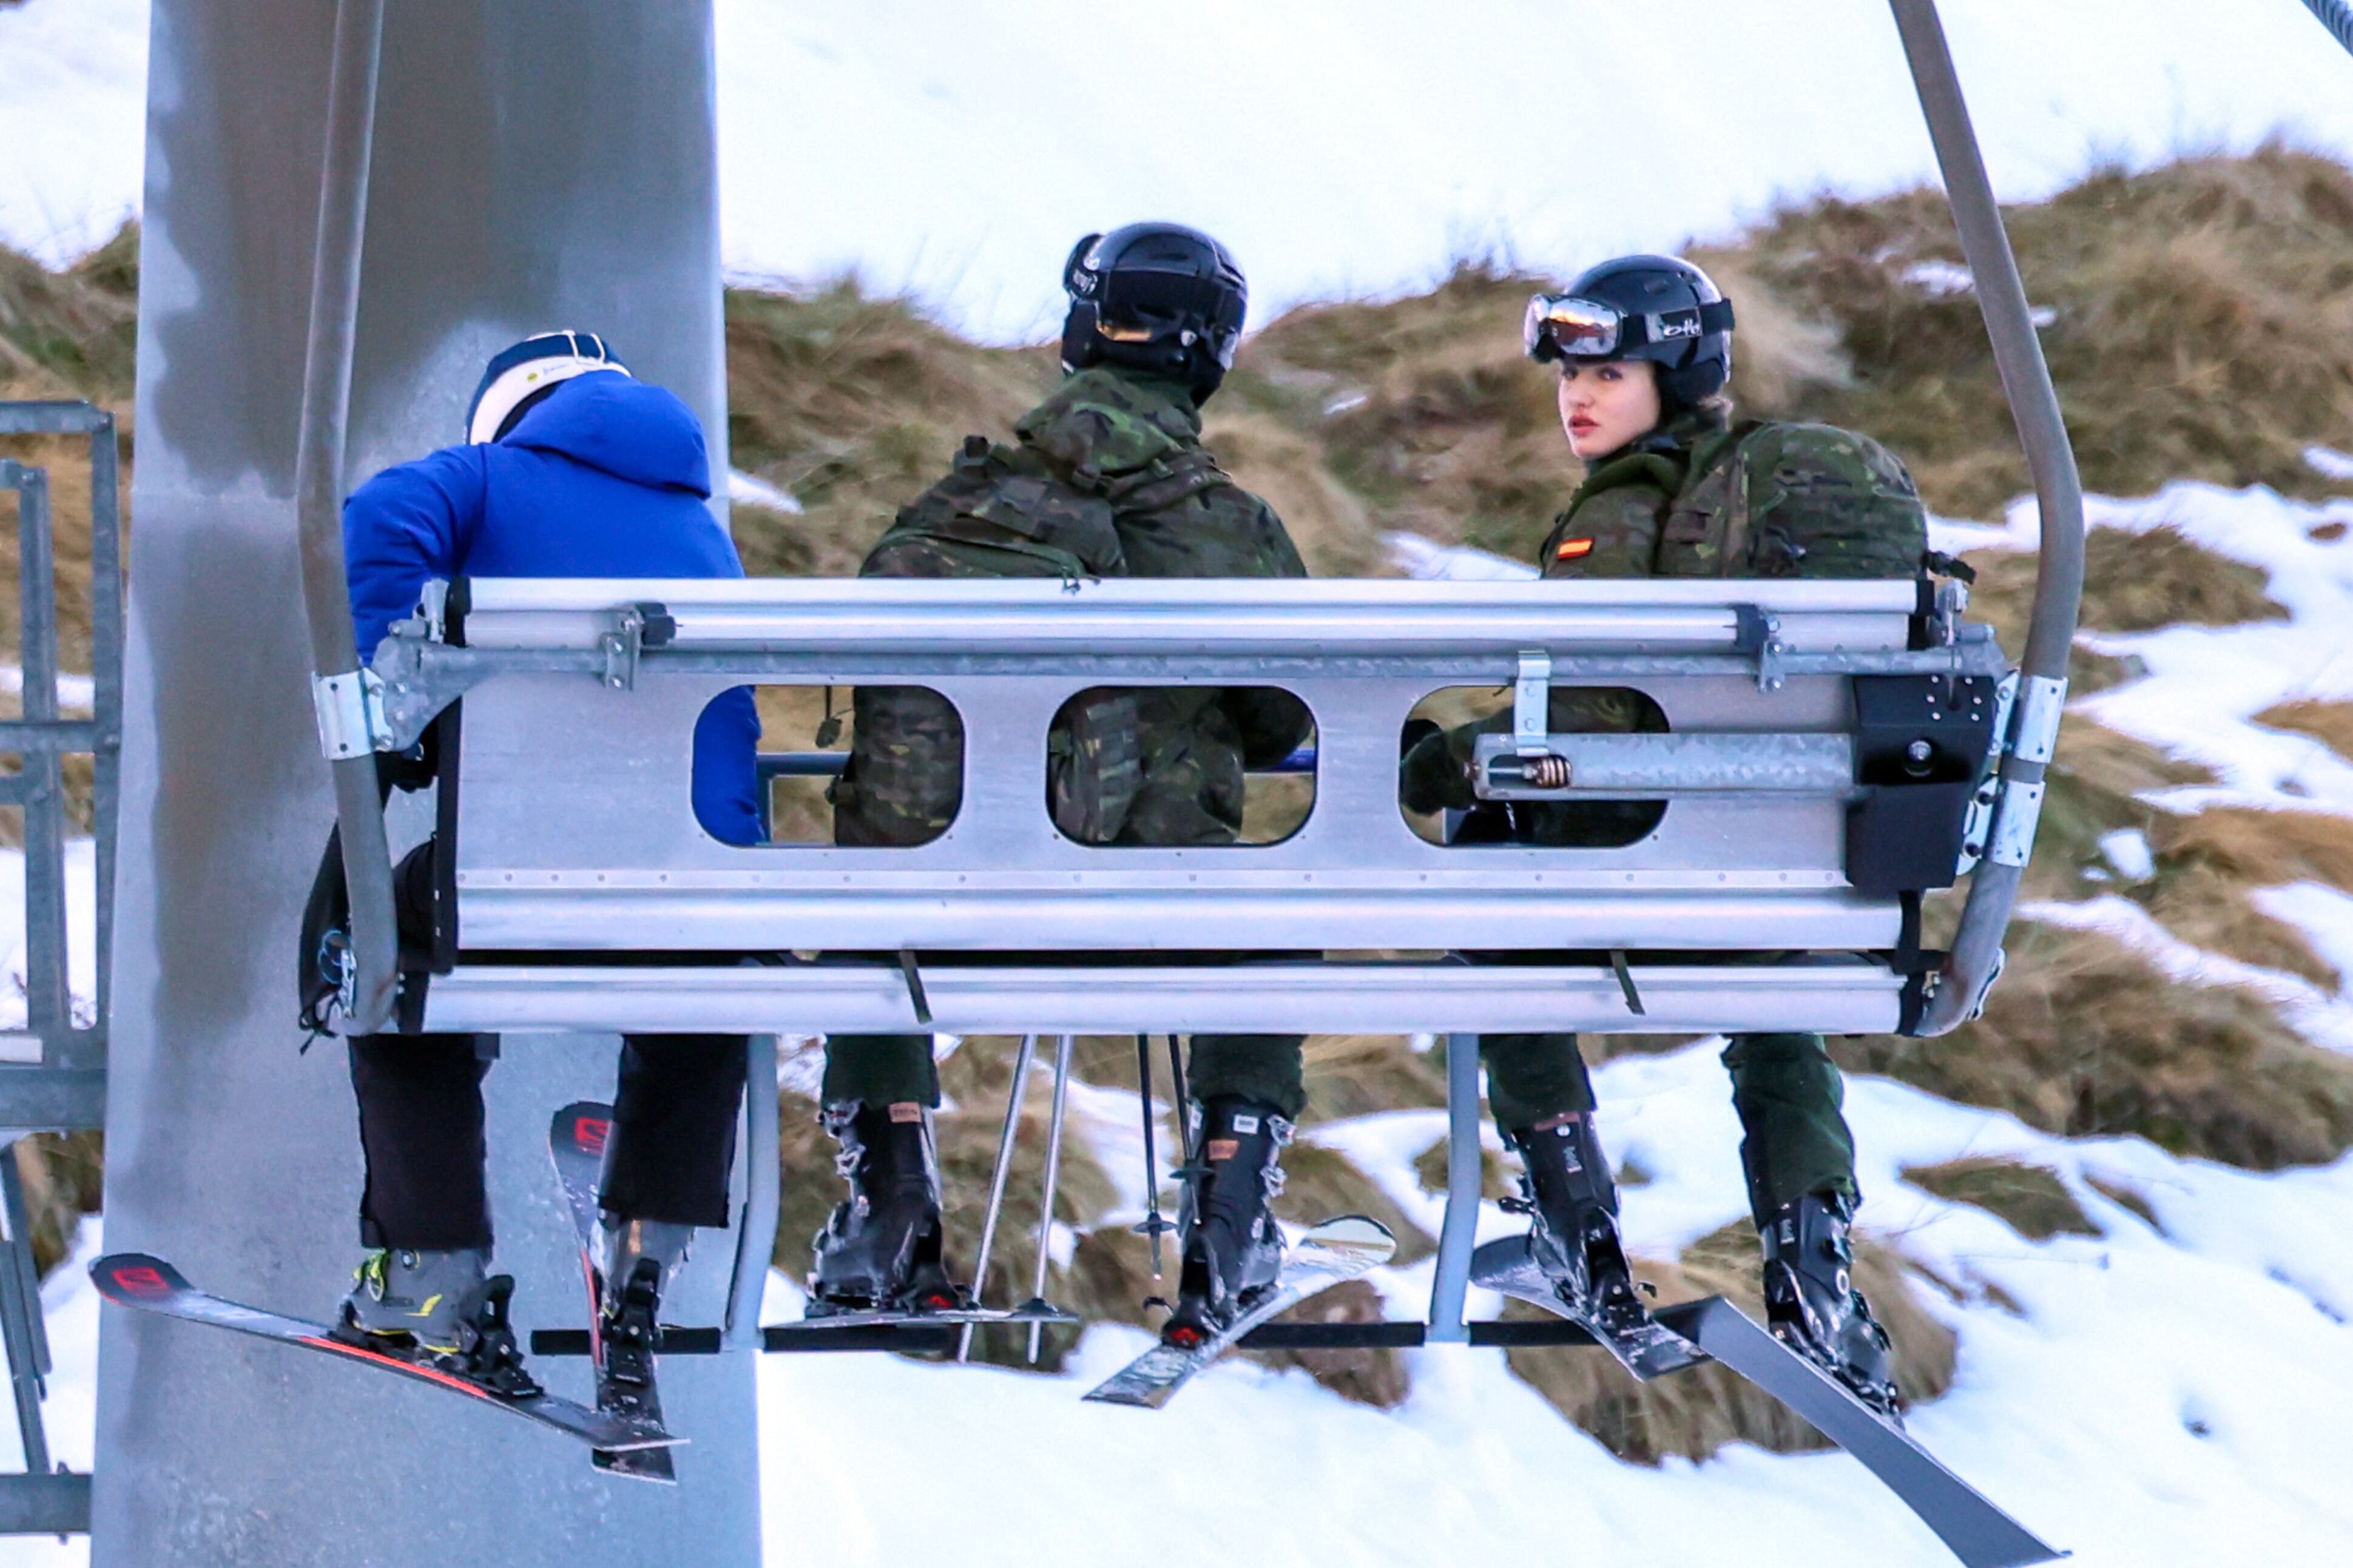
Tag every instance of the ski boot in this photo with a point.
(1566, 1187)
(637, 1260)
(881, 1248)
(1813, 1306)
(442, 1310)
(1233, 1248)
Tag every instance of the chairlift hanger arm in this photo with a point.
(1977, 955)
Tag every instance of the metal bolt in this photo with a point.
(1919, 750)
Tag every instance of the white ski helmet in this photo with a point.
(517, 378)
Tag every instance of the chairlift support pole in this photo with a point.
(1977, 954)
(1014, 1094)
(1459, 1234)
(319, 494)
(756, 1241)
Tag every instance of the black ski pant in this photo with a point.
(890, 1070)
(1795, 1141)
(421, 1099)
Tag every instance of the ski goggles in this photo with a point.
(1563, 326)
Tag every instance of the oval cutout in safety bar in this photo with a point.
(818, 786)
(1461, 779)
(1180, 766)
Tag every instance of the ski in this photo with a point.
(151, 1285)
(1978, 1533)
(576, 1142)
(1653, 1350)
(1037, 1312)
(1337, 1250)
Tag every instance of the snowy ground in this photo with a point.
(959, 152)
(2110, 1416)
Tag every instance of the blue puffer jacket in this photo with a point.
(605, 478)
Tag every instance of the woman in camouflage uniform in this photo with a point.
(1675, 487)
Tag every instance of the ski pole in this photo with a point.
(1014, 1094)
(1153, 1224)
(1184, 1140)
(1053, 1169)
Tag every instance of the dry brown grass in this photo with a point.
(63, 1180)
(2204, 325)
(1695, 1413)
(2330, 724)
(2030, 1199)
(2084, 1039)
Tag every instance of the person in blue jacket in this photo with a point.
(572, 467)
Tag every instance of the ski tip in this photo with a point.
(135, 1279)
(1352, 1231)
(583, 1125)
(1497, 1258)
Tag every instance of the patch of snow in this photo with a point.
(2205, 685)
(1941, 280)
(74, 691)
(2322, 1016)
(2127, 850)
(1381, 138)
(81, 933)
(750, 489)
(1430, 561)
(2328, 462)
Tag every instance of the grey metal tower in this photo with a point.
(535, 166)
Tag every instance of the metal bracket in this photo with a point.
(350, 709)
(2014, 819)
(433, 609)
(1758, 632)
(642, 625)
(2040, 702)
(1977, 830)
(1532, 704)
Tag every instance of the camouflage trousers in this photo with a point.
(1795, 1141)
(893, 1070)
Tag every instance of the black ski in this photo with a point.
(1337, 1250)
(576, 1142)
(1651, 1351)
(151, 1285)
(1978, 1533)
(1035, 1313)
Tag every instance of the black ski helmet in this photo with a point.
(1157, 297)
(1658, 308)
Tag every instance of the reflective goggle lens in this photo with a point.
(1560, 325)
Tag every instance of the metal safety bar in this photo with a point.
(57, 1081)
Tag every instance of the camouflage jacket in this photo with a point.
(1108, 478)
(1700, 498)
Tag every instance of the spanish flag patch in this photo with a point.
(1572, 549)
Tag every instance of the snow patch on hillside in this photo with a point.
(1341, 147)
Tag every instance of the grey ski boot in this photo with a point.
(1233, 1248)
(1812, 1305)
(881, 1250)
(637, 1259)
(444, 1310)
(1566, 1187)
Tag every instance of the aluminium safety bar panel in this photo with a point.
(1834, 997)
(577, 832)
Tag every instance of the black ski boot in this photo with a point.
(1566, 1186)
(465, 1333)
(1233, 1248)
(881, 1251)
(1812, 1304)
(636, 1261)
